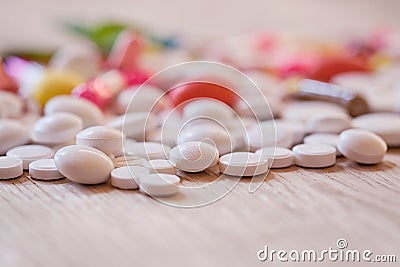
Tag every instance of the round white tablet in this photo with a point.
(83, 164)
(362, 146)
(30, 153)
(148, 150)
(12, 134)
(44, 169)
(106, 139)
(135, 124)
(128, 177)
(323, 138)
(159, 184)
(279, 157)
(160, 166)
(57, 128)
(243, 164)
(328, 123)
(314, 155)
(10, 167)
(207, 108)
(193, 156)
(267, 133)
(386, 125)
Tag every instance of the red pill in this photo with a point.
(6, 82)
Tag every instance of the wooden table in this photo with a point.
(64, 224)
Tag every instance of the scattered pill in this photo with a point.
(106, 139)
(207, 108)
(10, 167)
(148, 150)
(362, 146)
(243, 164)
(83, 164)
(323, 138)
(159, 184)
(135, 125)
(12, 134)
(30, 153)
(267, 133)
(44, 169)
(279, 157)
(11, 105)
(335, 123)
(303, 111)
(128, 177)
(160, 166)
(314, 155)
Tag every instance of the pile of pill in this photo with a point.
(91, 117)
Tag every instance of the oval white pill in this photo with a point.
(314, 155)
(128, 177)
(44, 169)
(83, 164)
(193, 156)
(386, 125)
(30, 153)
(106, 139)
(148, 150)
(243, 164)
(207, 108)
(159, 184)
(160, 166)
(328, 123)
(10, 167)
(323, 138)
(57, 128)
(90, 114)
(279, 157)
(12, 134)
(362, 146)
(135, 124)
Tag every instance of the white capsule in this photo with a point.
(362, 146)
(160, 166)
(56, 128)
(30, 153)
(148, 150)
(128, 177)
(83, 164)
(106, 139)
(159, 184)
(279, 157)
(243, 164)
(90, 114)
(10, 167)
(314, 155)
(268, 133)
(193, 156)
(44, 169)
(12, 134)
(328, 123)
(135, 125)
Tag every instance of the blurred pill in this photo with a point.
(106, 139)
(30, 153)
(12, 134)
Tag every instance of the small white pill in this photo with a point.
(135, 124)
(207, 108)
(259, 107)
(12, 134)
(56, 128)
(148, 150)
(323, 138)
(10, 167)
(159, 184)
(106, 139)
(128, 161)
(11, 105)
(328, 123)
(304, 110)
(160, 166)
(83, 164)
(267, 133)
(314, 155)
(90, 114)
(243, 164)
(193, 156)
(128, 177)
(44, 169)
(279, 157)
(386, 125)
(30, 153)
(362, 146)
(297, 128)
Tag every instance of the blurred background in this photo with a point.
(37, 24)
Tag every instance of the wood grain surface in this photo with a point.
(65, 224)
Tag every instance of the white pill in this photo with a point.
(135, 124)
(148, 150)
(279, 157)
(106, 139)
(44, 169)
(159, 184)
(128, 161)
(10, 167)
(243, 164)
(11, 105)
(323, 138)
(362, 146)
(193, 156)
(160, 166)
(296, 127)
(304, 110)
(267, 133)
(90, 114)
(207, 108)
(128, 177)
(259, 107)
(386, 125)
(30, 153)
(314, 155)
(12, 134)
(56, 128)
(83, 164)
(328, 123)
